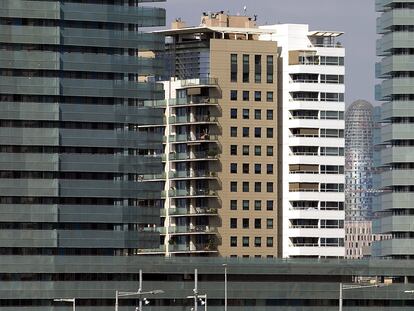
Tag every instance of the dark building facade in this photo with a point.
(73, 153)
(253, 284)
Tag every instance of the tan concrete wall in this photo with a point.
(220, 68)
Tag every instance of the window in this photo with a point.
(233, 205)
(233, 131)
(269, 223)
(246, 95)
(332, 133)
(258, 68)
(257, 114)
(258, 242)
(269, 187)
(257, 132)
(246, 69)
(245, 132)
(245, 241)
(233, 68)
(245, 150)
(233, 168)
(233, 149)
(257, 223)
(233, 241)
(269, 241)
(245, 223)
(269, 151)
(245, 168)
(269, 132)
(233, 223)
(269, 96)
(257, 96)
(233, 113)
(269, 169)
(269, 205)
(246, 205)
(233, 95)
(245, 114)
(269, 69)
(245, 186)
(257, 168)
(257, 186)
(332, 97)
(257, 205)
(269, 114)
(257, 150)
(233, 186)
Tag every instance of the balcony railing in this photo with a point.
(188, 193)
(195, 119)
(212, 154)
(193, 174)
(195, 211)
(193, 138)
(199, 82)
(191, 229)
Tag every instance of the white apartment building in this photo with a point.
(311, 75)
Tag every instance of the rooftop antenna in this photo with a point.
(255, 17)
(245, 10)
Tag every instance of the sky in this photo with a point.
(354, 17)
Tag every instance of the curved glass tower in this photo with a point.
(74, 149)
(358, 179)
(358, 161)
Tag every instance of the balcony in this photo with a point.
(187, 248)
(185, 193)
(210, 82)
(183, 230)
(201, 119)
(191, 138)
(197, 156)
(195, 174)
(198, 211)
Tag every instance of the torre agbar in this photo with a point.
(74, 155)
(359, 178)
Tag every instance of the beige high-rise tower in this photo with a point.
(221, 139)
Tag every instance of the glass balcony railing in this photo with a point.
(200, 82)
(190, 193)
(195, 211)
(193, 174)
(193, 138)
(211, 154)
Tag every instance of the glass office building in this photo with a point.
(395, 204)
(74, 150)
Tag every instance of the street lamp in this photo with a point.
(140, 293)
(225, 286)
(347, 287)
(197, 297)
(72, 300)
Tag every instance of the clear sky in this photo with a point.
(354, 17)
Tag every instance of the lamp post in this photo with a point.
(196, 295)
(225, 286)
(72, 300)
(347, 287)
(140, 293)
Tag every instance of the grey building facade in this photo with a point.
(253, 284)
(73, 153)
(395, 204)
